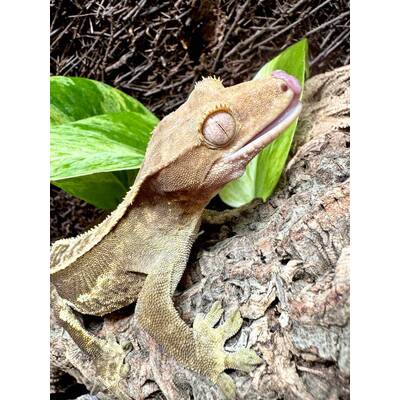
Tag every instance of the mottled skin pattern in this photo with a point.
(140, 251)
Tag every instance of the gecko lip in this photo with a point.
(270, 132)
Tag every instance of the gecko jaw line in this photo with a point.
(267, 134)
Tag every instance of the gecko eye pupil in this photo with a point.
(219, 128)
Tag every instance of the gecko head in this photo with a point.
(210, 139)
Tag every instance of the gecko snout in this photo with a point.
(289, 80)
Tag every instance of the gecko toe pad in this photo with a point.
(213, 340)
(111, 367)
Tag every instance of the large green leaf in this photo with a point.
(109, 142)
(93, 158)
(98, 139)
(73, 98)
(263, 172)
(103, 190)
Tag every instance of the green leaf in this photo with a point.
(103, 190)
(263, 172)
(104, 143)
(73, 98)
(98, 139)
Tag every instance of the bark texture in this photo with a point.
(284, 263)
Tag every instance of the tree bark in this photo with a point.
(284, 263)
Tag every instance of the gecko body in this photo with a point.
(139, 253)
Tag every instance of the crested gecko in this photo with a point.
(139, 252)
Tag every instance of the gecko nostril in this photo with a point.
(290, 81)
(284, 87)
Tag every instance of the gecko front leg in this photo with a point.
(107, 355)
(200, 348)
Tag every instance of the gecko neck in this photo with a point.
(163, 223)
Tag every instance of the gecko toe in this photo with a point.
(231, 326)
(126, 345)
(227, 386)
(124, 370)
(215, 313)
(243, 360)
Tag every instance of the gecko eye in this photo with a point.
(219, 128)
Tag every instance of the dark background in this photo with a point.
(157, 50)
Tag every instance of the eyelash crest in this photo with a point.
(219, 107)
(208, 79)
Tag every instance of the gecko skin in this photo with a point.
(140, 251)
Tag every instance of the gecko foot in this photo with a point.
(111, 367)
(213, 339)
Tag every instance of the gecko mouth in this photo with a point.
(267, 134)
(277, 126)
(272, 130)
